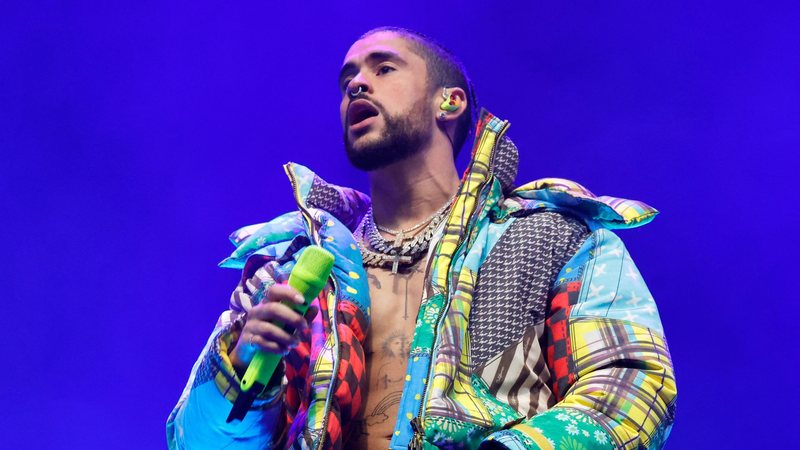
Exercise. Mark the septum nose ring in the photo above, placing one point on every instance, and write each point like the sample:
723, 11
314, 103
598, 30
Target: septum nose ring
354, 94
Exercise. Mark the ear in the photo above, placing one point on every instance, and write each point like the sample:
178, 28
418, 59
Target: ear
450, 105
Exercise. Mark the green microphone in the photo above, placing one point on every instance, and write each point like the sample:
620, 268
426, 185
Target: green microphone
309, 276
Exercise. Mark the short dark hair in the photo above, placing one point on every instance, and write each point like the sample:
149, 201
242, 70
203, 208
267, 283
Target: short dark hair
444, 70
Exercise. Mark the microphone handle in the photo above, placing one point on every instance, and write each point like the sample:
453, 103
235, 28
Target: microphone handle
264, 364
309, 276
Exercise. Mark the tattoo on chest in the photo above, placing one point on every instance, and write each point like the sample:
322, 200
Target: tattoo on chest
396, 346
374, 281
394, 353
379, 414
401, 283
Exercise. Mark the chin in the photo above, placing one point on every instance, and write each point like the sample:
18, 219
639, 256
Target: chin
366, 139
364, 142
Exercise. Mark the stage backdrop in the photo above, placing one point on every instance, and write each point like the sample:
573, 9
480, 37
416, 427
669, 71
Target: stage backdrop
135, 136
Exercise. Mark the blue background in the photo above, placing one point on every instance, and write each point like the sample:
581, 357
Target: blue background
136, 136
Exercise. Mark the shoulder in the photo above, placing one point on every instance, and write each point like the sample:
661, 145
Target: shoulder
540, 227
539, 241
562, 195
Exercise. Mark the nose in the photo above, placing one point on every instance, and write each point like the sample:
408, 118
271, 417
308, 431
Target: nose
357, 86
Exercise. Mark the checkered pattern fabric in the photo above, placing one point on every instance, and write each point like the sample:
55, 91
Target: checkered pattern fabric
351, 385
559, 346
296, 364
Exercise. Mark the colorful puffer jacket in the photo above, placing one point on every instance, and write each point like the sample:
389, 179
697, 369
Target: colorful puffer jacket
587, 367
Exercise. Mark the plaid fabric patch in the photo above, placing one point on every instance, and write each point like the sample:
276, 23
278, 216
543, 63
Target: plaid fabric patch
559, 347
466, 202
624, 373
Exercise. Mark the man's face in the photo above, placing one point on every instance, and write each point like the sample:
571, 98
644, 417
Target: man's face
393, 116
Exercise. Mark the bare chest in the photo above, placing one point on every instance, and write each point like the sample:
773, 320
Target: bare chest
394, 306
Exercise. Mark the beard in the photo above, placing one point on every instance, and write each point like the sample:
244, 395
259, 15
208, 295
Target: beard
404, 136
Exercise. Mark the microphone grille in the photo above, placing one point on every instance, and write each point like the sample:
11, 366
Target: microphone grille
317, 260
312, 270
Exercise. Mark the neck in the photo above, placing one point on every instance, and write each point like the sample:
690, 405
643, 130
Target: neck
409, 191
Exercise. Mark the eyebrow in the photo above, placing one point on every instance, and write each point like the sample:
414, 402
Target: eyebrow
371, 59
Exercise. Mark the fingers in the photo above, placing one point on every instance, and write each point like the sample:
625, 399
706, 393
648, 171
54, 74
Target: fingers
270, 325
284, 292
260, 335
273, 340
277, 313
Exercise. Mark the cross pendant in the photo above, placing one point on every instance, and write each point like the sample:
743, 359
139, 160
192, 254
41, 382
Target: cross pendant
398, 241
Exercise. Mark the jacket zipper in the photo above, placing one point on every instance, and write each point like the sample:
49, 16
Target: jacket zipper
418, 437
334, 328
336, 360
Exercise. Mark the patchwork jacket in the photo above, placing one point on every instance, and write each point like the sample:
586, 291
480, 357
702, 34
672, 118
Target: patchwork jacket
536, 330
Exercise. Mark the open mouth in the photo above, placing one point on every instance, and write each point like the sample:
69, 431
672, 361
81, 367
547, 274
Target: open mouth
359, 111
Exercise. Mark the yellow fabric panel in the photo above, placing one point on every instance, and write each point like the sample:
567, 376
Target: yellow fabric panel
623, 371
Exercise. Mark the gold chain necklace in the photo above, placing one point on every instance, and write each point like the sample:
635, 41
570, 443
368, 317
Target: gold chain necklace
379, 252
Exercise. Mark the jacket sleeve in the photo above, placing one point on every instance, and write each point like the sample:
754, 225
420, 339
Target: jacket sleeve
198, 420
610, 366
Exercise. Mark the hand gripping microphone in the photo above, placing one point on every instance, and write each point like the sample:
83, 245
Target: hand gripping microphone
309, 276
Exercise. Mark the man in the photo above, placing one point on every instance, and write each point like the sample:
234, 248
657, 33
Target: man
460, 314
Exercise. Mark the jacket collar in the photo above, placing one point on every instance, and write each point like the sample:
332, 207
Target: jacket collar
349, 205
